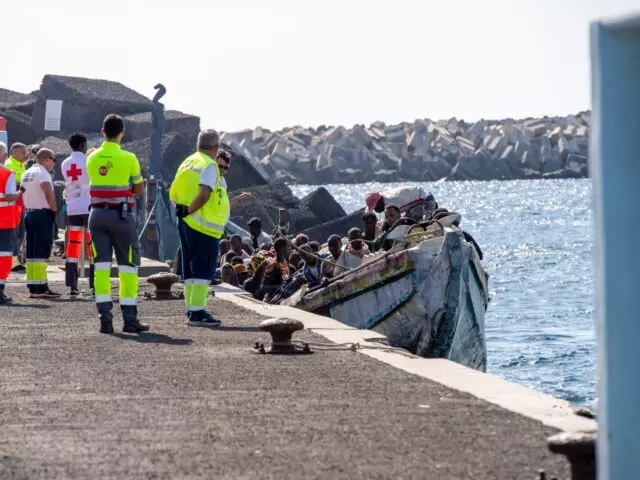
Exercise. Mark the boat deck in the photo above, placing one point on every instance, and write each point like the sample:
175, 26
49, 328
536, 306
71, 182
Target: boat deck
184, 402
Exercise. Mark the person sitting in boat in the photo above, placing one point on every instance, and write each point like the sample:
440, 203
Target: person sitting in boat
223, 249
235, 242
369, 224
257, 268
229, 275
334, 245
422, 210
356, 246
312, 268
258, 237
276, 272
353, 253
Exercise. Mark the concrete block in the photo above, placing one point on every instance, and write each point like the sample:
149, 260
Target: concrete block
15, 101
19, 127
435, 169
334, 134
140, 126
551, 163
467, 146
323, 205
529, 160
519, 148
495, 142
257, 135
582, 131
86, 102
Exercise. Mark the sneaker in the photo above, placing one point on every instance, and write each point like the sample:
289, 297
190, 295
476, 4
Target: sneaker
74, 292
203, 319
49, 294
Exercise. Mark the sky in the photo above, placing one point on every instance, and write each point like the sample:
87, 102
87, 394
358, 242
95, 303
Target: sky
245, 63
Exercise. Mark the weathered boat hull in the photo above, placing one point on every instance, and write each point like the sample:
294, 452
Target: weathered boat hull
429, 299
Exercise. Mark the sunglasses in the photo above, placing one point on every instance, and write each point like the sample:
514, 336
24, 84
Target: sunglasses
53, 159
223, 167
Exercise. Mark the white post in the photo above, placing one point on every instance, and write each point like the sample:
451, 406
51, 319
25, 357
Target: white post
615, 170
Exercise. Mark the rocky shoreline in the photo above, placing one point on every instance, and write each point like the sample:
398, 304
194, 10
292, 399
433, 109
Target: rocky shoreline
425, 150
264, 162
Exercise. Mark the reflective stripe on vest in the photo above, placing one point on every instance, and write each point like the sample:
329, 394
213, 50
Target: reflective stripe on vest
111, 172
211, 218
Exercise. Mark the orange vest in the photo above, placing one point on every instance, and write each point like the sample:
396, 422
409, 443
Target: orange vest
9, 212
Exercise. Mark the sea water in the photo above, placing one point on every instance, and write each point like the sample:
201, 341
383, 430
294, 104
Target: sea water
537, 239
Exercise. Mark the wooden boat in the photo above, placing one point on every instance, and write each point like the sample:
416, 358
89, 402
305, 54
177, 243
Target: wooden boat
427, 295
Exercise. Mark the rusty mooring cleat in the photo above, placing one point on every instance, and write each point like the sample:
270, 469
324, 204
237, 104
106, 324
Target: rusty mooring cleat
580, 450
163, 283
281, 330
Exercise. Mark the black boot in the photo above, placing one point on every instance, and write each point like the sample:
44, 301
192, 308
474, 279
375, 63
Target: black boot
4, 300
106, 317
131, 323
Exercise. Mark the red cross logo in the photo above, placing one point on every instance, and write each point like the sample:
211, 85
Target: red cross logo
74, 172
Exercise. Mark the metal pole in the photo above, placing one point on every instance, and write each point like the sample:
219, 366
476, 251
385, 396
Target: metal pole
615, 169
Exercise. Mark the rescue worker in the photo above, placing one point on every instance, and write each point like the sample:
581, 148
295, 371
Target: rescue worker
40, 206
16, 163
76, 189
8, 221
114, 179
203, 209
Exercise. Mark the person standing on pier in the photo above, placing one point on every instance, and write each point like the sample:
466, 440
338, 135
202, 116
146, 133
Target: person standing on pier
8, 221
114, 179
203, 208
76, 188
17, 164
40, 206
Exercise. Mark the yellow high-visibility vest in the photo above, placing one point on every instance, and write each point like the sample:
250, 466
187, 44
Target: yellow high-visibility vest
211, 218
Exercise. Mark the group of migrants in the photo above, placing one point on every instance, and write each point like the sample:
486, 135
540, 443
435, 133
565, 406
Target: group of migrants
272, 270
100, 186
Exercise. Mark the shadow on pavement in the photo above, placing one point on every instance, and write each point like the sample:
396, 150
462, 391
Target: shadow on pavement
238, 329
28, 305
147, 337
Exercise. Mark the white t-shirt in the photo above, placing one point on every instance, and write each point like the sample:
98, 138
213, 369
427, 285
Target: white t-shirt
33, 196
11, 188
76, 184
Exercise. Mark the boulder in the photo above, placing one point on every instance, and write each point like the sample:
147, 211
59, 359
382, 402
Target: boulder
174, 148
19, 102
86, 102
270, 198
339, 226
552, 163
435, 169
139, 126
323, 205
19, 127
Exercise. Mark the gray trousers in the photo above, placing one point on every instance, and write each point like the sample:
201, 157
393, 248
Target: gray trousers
110, 233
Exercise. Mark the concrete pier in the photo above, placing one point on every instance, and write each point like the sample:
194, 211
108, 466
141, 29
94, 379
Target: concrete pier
185, 402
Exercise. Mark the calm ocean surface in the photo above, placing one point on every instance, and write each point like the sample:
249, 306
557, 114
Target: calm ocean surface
536, 236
